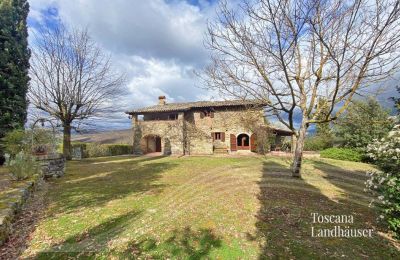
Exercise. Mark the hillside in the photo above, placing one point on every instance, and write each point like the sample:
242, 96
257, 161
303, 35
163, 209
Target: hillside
108, 137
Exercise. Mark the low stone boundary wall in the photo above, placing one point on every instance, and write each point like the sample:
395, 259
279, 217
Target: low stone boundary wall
12, 201
13, 198
52, 165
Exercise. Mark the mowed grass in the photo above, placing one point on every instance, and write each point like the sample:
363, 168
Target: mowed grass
204, 207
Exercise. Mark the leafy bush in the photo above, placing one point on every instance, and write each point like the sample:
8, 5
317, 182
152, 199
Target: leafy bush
38, 140
42, 140
15, 142
363, 122
317, 143
99, 150
20, 144
118, 149
385, 183
286, 145
345, 154
23, 166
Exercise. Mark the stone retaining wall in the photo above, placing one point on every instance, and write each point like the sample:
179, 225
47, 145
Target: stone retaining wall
11, 203
13, 198
52, 165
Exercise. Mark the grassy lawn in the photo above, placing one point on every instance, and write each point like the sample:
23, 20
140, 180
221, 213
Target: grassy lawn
211, 207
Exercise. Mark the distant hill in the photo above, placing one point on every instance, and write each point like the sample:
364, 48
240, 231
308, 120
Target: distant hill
108, 137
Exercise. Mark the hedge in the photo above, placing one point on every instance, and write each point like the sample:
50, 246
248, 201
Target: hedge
100, 150
345, 154
317, 143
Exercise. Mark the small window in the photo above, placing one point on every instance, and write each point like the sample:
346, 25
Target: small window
218, 136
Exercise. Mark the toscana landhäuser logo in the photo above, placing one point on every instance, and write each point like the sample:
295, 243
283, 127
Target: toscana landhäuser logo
337, 226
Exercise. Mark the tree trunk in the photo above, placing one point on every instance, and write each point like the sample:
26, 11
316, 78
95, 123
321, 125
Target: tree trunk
298, 153
67, 142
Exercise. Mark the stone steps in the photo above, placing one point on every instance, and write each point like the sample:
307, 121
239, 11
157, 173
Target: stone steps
220, 151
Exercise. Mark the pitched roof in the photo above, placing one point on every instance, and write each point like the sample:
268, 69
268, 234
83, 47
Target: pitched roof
175, 107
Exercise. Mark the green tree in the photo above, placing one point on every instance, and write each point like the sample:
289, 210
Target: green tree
14, 64
397, 101
363, 122
323, 137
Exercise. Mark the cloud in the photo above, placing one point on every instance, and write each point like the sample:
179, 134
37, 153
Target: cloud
157, 43
150, 29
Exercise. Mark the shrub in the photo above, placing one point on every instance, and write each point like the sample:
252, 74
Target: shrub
42, 140
23, 166
317, 143
15, 142
38, 140
118, 149
345, 154
363, 122
99, 150
286, 145
385, 183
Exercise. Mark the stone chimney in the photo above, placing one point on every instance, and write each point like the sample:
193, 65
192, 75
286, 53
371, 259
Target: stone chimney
161, 100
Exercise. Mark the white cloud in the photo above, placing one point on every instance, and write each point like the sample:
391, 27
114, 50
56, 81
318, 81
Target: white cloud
146, 28
157, 43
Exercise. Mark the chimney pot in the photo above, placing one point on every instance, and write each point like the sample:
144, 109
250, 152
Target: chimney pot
161, 100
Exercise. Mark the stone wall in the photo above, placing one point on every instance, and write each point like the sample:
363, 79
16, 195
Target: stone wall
52, 166
170, 131
191, 132
12, 202
228, 121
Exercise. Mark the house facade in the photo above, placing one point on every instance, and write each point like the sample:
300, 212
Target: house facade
204, 127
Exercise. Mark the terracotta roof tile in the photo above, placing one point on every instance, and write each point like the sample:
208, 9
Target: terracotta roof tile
175, 107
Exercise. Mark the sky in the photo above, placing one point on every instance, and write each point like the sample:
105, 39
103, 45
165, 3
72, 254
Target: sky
157, 44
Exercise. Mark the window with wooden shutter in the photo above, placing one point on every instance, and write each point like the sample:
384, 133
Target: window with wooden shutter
218, 136
233, 142
202, 115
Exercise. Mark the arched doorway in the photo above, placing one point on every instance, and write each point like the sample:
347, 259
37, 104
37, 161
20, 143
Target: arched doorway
152, 144
243, 142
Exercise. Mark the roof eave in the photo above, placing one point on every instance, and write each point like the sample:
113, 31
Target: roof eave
138, 112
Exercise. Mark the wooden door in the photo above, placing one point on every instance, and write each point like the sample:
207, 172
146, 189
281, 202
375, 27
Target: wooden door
158, 144
253, 143
233, 142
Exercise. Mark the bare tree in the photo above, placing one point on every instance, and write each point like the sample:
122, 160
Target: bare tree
72, 78
293, 53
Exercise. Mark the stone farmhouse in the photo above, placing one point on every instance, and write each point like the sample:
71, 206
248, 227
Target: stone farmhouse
203, 127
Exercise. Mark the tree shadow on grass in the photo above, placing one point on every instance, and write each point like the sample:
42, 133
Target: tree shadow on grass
284, 221
92, 185
351, 181
122, 158
89, 243
94, 243
181, 244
